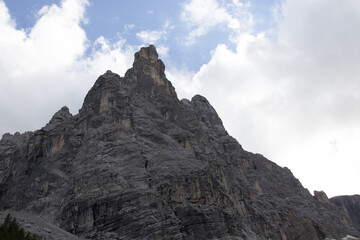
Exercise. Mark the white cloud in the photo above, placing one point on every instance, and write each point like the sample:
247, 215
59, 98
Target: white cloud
117, 57
149, 36
183, 81
290, 98
56, 33
129, 27
163, 51
45, 68
201, 16
153, 36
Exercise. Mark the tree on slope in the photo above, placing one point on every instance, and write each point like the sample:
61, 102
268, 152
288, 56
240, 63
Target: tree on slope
10, 230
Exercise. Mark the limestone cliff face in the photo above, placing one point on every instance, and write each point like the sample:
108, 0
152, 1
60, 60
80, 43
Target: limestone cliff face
138, 163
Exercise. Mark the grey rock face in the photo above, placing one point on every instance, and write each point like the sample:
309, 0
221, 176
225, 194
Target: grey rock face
350, 205
138, 163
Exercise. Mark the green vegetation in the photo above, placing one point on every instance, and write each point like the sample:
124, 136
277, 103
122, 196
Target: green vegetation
10, 230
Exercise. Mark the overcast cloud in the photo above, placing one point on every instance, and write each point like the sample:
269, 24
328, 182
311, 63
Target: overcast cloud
202, 15
290, 93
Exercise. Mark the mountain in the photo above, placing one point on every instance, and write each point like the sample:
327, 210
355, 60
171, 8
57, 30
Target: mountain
138, 163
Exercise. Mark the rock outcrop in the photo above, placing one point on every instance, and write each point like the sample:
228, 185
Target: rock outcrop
351, 206
138, 163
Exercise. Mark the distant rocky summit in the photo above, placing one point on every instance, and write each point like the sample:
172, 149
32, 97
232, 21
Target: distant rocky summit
138, 163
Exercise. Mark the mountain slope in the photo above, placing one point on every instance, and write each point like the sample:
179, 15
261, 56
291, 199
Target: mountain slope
138, 163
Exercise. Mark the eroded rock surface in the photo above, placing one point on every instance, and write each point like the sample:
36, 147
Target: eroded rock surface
138, 163
350, 205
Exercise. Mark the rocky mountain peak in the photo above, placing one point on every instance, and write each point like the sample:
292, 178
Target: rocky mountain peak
148, 69
145, 83
147, 54
321, 196
61, 115
137, 163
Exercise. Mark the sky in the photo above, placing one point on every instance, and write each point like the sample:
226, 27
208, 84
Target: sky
283, 75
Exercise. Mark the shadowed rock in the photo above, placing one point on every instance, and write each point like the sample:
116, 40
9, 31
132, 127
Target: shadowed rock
350, 205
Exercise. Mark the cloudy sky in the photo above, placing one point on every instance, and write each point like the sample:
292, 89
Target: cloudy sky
284, 75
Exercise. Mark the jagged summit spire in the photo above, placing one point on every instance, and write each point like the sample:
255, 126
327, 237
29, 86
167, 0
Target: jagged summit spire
147, 53
148, 74
147, 66
145, 80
